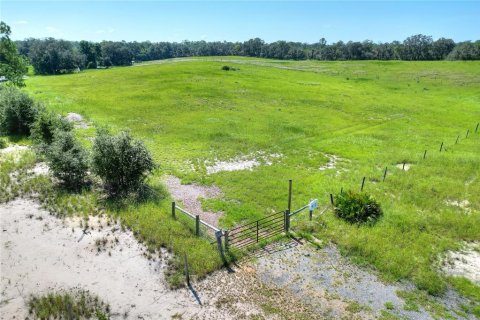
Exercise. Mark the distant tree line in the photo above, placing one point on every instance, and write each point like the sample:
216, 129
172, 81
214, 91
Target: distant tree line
51, 56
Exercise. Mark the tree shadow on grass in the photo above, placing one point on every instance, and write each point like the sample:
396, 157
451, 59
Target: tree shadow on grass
153, 194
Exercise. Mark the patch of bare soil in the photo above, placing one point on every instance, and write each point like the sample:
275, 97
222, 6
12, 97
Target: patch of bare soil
404, 166
247, 162
191, 194
330, 284
40, 252
464, 263
462, 204
77, 120
332, 162
16, 150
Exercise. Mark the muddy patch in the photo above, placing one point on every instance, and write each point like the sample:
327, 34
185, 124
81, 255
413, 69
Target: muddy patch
464, 263
77, 120
247, 162
191, 195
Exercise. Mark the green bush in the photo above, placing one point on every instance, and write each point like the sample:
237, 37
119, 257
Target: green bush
3, 143
45, 126
121, 162
68, 160
357, 208
17, 111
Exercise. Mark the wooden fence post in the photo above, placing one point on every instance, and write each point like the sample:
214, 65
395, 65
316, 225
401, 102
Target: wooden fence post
331, 199
187, 274
403, 167
173, 210
197, 225
363, 184
310, 213
385, 173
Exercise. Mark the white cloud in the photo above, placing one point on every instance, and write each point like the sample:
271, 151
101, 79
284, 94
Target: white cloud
20, 22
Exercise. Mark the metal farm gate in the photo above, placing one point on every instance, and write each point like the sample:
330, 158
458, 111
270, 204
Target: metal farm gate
252, 233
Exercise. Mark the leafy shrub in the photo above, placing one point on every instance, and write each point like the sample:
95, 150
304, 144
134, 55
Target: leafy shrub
226, 68
121, 162
3, 144
67, 159
357, 208
17, 111
45, 126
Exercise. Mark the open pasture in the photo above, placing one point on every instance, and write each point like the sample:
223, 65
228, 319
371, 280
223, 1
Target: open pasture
326, 125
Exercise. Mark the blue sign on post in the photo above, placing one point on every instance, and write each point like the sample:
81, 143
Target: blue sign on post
313, 204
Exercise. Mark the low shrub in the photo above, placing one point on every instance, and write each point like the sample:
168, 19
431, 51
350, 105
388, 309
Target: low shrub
17, 111
68, 160
357, 208
46, 124
228, 68
3, 143
121, 162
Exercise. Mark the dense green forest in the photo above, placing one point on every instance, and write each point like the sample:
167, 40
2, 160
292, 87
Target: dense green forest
51, 56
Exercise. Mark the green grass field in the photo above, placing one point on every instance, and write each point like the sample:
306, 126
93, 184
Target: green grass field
371, 114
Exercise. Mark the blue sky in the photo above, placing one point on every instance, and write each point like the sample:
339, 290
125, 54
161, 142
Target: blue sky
241, 20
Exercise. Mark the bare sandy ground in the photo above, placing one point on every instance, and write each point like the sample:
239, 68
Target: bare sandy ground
40, 252
191, 195
465, 263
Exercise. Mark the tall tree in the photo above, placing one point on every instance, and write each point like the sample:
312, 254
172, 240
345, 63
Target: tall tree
12, 66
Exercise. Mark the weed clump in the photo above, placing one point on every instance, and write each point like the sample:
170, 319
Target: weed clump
121, 162
3, 144
358, 208
77, 304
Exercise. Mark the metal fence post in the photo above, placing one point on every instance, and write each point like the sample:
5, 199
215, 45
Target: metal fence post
287, 220
289, 194
385, 173
225, 234
197, 225
311, 214
441, 147
363, 184
173, 210
331, 199
187, 274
